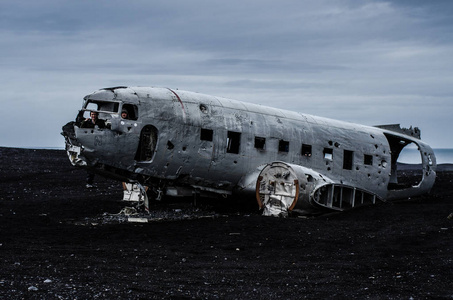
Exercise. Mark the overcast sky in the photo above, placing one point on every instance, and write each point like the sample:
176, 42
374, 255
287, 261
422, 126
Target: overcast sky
369, 62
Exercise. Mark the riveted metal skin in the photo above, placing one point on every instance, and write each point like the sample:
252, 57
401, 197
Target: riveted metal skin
181, 142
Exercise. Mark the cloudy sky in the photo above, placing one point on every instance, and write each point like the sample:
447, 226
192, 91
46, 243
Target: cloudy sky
370, 62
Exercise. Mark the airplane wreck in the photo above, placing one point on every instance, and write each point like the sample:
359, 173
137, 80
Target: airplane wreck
180, 143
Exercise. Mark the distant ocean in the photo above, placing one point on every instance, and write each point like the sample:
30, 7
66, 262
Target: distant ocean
412, 156
409, 155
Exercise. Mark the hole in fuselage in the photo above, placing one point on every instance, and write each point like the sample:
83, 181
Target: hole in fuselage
407, 168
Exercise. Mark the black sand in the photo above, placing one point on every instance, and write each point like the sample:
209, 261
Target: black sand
56, 244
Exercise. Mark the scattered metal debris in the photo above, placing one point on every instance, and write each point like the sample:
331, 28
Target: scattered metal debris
132, 215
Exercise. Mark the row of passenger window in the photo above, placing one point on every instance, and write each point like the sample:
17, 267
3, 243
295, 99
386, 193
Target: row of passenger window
234, 140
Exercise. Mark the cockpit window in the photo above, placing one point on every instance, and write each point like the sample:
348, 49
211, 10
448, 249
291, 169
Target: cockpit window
130, 110
102, 106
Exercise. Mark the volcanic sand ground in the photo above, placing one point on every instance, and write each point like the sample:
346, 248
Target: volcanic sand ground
59, 240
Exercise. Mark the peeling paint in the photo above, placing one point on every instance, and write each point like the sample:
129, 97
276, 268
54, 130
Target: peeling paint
181, 141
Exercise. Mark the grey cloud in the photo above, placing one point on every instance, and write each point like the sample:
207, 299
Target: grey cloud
267, 65
340, 58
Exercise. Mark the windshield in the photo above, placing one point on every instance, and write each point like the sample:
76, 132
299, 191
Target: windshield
102, 106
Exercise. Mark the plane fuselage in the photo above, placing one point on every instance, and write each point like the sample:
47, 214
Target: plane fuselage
188, 141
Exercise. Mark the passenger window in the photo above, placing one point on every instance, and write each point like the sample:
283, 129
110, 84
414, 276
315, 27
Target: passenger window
348, 159
206, 134
283, 146
233, 142
328, 153
260, 143
306, 150
368, 159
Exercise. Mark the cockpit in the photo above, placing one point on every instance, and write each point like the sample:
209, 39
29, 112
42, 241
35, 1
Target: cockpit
108, 111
